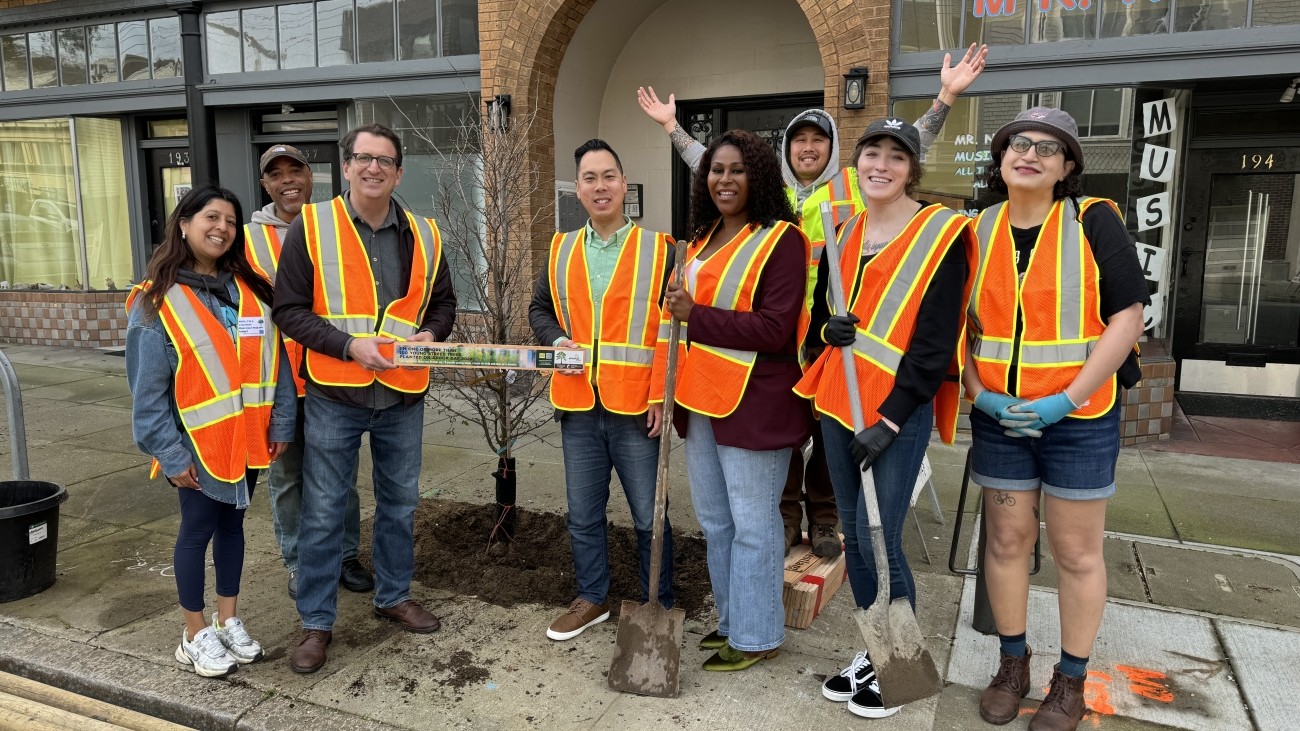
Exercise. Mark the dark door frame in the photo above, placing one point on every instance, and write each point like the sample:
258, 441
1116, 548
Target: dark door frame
1202, 165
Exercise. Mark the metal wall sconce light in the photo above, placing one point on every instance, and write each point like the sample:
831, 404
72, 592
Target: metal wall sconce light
855, 88
1289, 94
498, 113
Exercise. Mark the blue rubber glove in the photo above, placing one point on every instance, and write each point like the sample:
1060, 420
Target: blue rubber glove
1044, 411
996, 404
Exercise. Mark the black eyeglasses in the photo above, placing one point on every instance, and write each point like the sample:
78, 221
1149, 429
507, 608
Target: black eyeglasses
1044, 148
364, 160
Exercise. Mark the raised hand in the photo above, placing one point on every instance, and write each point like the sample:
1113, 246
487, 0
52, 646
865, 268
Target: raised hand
664, 114
956, 79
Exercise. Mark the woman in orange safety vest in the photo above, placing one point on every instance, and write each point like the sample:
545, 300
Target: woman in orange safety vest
904, 266
212, 402
740, 307
1054, 318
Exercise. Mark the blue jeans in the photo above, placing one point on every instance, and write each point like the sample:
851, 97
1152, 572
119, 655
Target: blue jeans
737, 496
329, 466
894, 473
595, 442
284, 488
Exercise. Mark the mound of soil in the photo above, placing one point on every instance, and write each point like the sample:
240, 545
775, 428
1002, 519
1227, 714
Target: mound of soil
451, 552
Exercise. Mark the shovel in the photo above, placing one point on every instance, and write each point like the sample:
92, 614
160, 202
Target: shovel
903, 666
649, 645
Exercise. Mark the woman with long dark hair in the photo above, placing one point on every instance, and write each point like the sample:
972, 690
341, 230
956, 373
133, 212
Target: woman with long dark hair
1055, 315
740, 307
212, 403
904, 265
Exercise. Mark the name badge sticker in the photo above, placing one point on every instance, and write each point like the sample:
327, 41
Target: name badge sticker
252, 327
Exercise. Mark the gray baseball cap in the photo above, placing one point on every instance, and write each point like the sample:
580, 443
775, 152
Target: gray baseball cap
1054, 122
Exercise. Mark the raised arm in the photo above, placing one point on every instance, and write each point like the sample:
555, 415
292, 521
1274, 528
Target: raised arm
954, 79
688, 148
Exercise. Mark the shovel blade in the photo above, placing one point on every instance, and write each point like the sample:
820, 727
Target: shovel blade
649, 652
897, 648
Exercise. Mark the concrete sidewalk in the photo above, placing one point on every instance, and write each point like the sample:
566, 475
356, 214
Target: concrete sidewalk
1202, 630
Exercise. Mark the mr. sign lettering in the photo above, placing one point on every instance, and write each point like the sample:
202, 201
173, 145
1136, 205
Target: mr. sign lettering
1008, 7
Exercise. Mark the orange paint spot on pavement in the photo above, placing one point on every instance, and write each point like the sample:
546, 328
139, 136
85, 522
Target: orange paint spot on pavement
1147, 683
1096, 696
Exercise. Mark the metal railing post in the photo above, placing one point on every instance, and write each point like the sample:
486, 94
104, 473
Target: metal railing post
17, 425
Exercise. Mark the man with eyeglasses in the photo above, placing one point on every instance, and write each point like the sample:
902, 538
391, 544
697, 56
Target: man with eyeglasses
357, 274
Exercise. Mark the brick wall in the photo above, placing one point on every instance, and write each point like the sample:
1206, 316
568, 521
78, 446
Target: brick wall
87, 319
1149, 408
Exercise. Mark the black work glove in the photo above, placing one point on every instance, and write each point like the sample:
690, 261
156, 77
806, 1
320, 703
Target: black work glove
870, 443
840, 330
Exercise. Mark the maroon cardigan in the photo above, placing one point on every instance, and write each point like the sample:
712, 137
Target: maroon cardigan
770, 415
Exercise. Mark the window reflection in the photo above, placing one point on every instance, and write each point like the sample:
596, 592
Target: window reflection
72, 56
334, 32
103, 53
459, 27
930, 24
1275, 12
13, 49
40, 49
259, 44
417, 24
133, 49
1197, 15
1121, 19
39, 232
101, 172
375, 30
995, 22
222, 33
1059, 23
165, 40
297, 36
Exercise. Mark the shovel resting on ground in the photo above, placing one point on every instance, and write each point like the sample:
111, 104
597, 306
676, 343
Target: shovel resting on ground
649, 645
903, 666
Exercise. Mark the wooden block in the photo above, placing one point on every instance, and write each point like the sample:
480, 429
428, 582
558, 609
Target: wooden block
809, 584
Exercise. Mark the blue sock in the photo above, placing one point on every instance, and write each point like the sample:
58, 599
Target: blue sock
1013, 645
1075, 667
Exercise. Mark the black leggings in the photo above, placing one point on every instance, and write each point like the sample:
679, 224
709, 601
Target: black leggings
205, 520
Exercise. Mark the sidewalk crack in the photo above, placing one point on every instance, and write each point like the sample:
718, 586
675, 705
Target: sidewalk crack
1142, 572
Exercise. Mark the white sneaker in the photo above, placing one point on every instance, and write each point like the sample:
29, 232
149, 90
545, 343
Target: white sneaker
206, 653
843, 686
866, 702
234, 637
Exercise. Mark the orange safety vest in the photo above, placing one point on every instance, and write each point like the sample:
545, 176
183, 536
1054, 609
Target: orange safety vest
262, 245
1059, 302
894, 282
710, 379
626, 317
345, 294
224, 389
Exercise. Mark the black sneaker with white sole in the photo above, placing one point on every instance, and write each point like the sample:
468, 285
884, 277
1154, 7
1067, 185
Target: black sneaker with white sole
842, 687
866, 702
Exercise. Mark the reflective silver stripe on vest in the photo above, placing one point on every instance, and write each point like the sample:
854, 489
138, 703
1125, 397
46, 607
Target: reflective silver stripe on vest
226, 403
327, 243
263, 392
563, 258
1069, 264
886, 357
1057, 353
644, 289
425, 241
985, 349
633, 354
260, 244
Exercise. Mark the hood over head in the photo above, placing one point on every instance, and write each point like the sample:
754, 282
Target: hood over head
823, 120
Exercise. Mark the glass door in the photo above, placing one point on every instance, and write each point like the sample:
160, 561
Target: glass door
168, 175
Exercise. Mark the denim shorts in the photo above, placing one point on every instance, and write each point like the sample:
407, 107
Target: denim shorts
1073, 460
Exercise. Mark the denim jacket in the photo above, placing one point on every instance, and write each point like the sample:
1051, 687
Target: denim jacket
151, 362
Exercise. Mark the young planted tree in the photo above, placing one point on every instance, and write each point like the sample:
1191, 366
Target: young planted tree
487, 202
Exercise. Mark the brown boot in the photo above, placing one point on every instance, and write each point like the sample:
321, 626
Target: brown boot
793, 537
1000, 702
826, 540
1063, 707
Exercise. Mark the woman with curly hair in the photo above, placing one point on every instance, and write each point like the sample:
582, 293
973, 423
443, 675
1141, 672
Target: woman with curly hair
740, 306
1055, 316
212, 401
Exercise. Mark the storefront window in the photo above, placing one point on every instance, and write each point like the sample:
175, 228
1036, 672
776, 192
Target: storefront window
133, 49
417, 23
1120, 18
39, 231
165, 47
101, 171
1205, 15
45, 68
297, 36
13, 53
375, 30
995, 22
259, 46
103, 53
72, 56
930, 24
459, 27
441, 176
1059, 22
222, 33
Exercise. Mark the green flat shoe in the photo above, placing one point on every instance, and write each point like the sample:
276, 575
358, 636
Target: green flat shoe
713, 641
729, 659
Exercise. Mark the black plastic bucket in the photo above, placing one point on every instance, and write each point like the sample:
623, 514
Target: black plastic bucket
29, 536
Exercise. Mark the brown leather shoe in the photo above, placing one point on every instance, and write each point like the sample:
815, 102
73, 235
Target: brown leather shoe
1000, 702
1063, 707
309, 655
826, 540
412, 616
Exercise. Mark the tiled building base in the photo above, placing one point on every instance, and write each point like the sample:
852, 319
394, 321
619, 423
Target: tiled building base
86, 319
1148, 409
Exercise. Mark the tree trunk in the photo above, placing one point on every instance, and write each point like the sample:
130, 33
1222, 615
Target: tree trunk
504, 515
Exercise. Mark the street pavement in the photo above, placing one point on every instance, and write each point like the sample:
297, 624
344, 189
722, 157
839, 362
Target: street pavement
1202, 630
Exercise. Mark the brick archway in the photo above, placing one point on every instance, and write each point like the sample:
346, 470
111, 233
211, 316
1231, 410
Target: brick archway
522, 45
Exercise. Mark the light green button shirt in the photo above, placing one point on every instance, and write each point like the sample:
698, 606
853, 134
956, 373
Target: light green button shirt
602, 256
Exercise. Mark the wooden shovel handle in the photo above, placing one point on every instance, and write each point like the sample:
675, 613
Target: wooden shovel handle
665, 439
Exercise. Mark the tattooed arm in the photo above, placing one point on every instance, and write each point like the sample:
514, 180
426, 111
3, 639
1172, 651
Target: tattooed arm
954, 80
688, 148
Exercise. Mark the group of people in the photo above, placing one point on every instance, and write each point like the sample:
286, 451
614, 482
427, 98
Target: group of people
1033, 309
